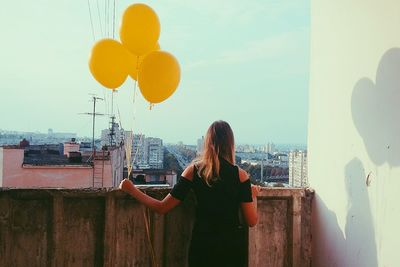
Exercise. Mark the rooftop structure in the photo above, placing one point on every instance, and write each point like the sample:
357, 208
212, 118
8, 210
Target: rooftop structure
59, 166
154, 176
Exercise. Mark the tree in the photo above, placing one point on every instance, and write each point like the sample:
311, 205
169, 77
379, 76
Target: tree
171, 163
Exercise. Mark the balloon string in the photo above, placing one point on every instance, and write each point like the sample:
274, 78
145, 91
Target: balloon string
114, 21
137, 68
133, 125
147, 222
134, 97
133, 105
129, 139
133, 159
91, 21
98, 14
105, 18
112, 102
135, 87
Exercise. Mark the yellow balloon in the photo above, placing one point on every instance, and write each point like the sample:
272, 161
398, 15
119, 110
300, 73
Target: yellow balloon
135, 62
109, 63
140, 29
159, 76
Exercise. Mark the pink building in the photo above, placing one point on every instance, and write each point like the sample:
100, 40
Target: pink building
46, 167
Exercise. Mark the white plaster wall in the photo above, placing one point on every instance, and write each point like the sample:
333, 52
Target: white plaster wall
354, 131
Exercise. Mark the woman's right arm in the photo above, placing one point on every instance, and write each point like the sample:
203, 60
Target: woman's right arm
160, 206
249, 209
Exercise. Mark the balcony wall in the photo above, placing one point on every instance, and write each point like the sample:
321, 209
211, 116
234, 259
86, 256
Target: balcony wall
88, 227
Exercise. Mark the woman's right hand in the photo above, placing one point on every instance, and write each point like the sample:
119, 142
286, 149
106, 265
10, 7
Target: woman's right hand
126, 185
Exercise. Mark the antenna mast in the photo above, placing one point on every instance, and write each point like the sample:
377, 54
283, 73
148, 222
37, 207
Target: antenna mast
112, 133
94, 114
95, 98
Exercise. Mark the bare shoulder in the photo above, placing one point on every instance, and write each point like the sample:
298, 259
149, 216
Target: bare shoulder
243, 175
188, 172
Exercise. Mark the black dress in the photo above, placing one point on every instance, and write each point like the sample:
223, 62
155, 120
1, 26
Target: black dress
218, 237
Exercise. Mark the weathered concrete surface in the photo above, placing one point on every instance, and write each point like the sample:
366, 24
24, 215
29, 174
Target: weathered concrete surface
103, 227
282, 236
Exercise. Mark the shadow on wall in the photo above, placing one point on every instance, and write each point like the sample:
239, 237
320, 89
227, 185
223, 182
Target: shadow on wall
360, 249
375, 108
356, 247
329, 246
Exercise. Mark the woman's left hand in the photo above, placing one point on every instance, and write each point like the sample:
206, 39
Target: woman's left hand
255, 189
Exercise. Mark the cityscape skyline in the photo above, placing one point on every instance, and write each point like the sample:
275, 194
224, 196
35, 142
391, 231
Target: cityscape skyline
68, 135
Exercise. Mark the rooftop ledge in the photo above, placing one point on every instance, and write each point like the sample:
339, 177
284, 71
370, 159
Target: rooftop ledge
106, 227
64, 166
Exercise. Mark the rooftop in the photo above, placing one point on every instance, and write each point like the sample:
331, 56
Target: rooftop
47, 156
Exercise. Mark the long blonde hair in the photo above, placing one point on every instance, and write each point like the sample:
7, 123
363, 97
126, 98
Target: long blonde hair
218, 142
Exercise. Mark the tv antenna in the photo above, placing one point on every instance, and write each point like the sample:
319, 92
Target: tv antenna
94, 114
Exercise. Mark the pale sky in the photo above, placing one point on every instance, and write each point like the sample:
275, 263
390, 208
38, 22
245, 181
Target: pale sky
245, 62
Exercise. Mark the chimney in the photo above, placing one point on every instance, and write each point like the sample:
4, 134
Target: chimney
24, 143
71, 146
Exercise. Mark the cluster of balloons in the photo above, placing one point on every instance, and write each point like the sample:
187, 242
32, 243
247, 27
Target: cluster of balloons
138, 55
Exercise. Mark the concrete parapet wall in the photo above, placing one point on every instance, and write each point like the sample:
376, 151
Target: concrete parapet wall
104, 227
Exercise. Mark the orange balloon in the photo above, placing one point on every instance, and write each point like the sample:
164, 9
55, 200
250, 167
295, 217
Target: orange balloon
109, 63
140, 29
159, 76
